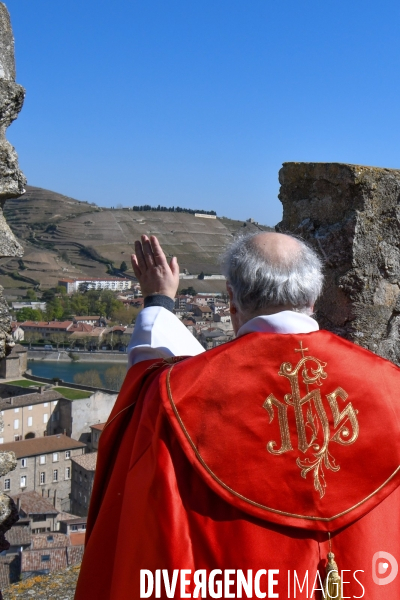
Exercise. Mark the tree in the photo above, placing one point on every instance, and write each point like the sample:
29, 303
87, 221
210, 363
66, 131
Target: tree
86, 340
83, 287
125, 339
54, 309
90, 378
190, 291
48, 295
110, 302
58, 338
61, 289
114, 377
93, 298
111, 339
125, 316
32, 337
31, 295
123, 267
29, 314
79, 304
201, 276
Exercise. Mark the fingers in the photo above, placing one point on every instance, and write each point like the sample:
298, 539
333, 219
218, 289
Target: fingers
140, 259
173, 265
149, 254
147, 251
158, 253
135, 266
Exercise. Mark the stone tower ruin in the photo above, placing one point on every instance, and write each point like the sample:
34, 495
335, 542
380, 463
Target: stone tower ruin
12, 183
351, 215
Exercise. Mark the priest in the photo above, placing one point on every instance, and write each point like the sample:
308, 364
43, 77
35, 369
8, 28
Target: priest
268, 467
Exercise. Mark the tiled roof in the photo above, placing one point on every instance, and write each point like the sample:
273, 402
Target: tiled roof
41, 445
86, 461
94, 332
47, 324
33, 503
80, 327
64, 516
49, 540
90, 318
19, 535
74, 521
99, 426
77, 538
29, 399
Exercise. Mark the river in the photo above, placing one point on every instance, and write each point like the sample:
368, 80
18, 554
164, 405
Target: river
67, 370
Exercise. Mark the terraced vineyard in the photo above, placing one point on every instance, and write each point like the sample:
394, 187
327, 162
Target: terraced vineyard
64, 237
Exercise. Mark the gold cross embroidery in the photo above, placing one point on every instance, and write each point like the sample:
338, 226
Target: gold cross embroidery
312, 423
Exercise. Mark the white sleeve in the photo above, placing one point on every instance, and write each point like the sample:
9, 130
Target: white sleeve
159, 333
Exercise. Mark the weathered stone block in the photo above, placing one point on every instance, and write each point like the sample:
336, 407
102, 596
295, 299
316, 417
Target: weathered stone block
7, 60
351, 215
12, 183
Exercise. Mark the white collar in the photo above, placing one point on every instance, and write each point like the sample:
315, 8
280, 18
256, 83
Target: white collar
286, 321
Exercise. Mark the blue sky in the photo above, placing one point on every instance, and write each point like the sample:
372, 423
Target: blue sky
198, 103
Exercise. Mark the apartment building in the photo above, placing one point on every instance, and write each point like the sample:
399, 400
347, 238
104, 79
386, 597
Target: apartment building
36, 511
116, 284
34, 305
95, 435
202, 311
43, 466
83, 470
30, 415
46, 328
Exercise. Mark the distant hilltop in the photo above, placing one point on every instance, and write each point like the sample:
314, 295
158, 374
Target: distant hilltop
67, 238
178, 209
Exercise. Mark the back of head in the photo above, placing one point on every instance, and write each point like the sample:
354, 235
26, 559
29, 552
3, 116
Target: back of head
272, 270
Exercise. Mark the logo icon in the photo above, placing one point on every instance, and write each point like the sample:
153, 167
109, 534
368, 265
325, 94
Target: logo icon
313, 429
384, 568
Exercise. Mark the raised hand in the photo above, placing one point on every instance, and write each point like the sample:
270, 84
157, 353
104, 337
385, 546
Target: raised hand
152, 270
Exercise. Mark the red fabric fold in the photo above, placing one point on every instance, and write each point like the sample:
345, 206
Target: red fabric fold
156, 505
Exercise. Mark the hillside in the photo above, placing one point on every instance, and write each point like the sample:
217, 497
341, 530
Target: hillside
64, 237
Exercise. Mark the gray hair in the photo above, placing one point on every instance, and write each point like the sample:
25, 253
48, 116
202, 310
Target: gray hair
257, 282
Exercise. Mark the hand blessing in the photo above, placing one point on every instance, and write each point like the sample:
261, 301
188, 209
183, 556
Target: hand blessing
152, 270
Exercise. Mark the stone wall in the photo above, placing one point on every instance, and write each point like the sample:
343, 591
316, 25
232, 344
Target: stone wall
12, 183
76, 416
350, 214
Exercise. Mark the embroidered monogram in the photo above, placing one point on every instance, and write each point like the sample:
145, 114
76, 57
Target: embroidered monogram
313, 431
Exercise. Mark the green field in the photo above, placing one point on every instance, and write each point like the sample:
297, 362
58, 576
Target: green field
26, 383
69, 393
72, 394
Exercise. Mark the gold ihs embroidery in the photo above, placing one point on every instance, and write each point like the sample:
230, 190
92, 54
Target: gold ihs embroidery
312, 423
